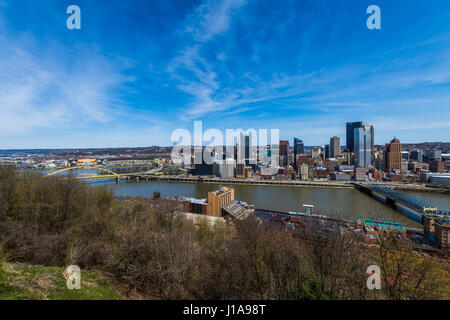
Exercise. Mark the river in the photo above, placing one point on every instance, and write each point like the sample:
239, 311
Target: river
347, 203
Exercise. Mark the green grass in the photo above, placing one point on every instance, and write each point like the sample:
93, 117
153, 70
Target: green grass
30, 282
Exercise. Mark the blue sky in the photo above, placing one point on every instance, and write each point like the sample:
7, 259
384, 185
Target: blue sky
137, 70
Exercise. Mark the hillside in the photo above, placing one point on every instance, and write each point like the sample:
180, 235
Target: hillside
32, 282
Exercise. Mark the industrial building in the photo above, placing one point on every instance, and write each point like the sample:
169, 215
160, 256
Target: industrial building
442, 232
217, 199
192, 205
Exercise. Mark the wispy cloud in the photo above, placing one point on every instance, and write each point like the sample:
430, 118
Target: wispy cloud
215, 84
57, 89
195, 75
304, 67
212, 18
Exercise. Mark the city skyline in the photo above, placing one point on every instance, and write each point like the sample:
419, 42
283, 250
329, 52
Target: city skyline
131, 76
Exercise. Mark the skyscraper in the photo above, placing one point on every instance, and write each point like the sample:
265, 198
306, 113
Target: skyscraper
362, 138
372, 137
284, 151
327, 151
299, 148
350, 138
393, 155
335, 147
245, 150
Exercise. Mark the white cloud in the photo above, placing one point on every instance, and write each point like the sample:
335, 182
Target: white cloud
214, 87
212, 18
39, 90
195, 75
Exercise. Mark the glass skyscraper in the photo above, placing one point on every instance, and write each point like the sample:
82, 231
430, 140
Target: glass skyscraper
299, 148
350, 134
362, 138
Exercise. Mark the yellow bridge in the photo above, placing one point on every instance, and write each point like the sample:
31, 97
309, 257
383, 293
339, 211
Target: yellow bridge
110, 175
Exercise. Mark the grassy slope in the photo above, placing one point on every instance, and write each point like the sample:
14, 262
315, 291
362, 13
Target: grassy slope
30, 282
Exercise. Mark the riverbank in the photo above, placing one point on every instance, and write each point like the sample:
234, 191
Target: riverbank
424, 189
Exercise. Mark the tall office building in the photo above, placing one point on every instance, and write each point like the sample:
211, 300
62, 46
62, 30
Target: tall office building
393, 155
245, 150
362, 138
350, 138
327, 152
274, 154
379, 161
416, 154
284, 151
202, 167
372, 137
299, 148
335, 147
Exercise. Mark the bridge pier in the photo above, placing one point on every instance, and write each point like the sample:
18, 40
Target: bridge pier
391, 203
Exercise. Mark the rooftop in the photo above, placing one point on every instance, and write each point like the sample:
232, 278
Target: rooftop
443, 222
221, 191
383, 224
235, 210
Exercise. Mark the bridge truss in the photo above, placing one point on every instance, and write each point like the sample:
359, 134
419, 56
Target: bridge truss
112, 174
407, 199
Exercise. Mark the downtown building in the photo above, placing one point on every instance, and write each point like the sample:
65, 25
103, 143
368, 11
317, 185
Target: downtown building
245, 150
284, 152
225, 168
350, 137
335, 147
299, 148
393, 155
363, 145
246, 154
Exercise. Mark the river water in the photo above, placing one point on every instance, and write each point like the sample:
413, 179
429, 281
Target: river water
348, 203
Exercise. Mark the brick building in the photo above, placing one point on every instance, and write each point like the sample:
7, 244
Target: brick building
393, 155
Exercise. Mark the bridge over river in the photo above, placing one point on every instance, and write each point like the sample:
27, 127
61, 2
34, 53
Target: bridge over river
411, 206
